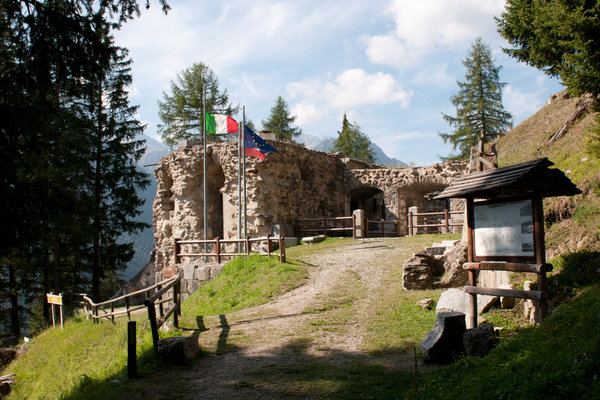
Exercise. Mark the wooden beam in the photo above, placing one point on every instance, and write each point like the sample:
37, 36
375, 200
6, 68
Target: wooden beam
507, 266
521, 294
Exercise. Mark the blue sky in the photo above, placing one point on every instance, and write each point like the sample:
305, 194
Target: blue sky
391, 65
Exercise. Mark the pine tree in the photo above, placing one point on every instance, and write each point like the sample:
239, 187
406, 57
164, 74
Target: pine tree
280, 122
181, 110
478, 103
114, 177
559, 37
352, 142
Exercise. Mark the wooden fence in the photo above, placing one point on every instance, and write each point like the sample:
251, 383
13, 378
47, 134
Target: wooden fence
326, 225
217, 251
380, 230
174, 310
431, 221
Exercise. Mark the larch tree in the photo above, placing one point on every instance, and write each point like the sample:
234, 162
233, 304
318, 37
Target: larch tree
478, 103
280, 122
352, 142
181, 110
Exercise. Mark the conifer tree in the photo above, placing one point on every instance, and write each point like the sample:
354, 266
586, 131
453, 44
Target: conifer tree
181, 110
478, 103
352, 142
280, 122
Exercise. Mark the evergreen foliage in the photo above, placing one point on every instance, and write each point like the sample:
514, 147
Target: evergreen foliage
181, 110
57, 63
352, 142
478, 103
280, 121
559, 37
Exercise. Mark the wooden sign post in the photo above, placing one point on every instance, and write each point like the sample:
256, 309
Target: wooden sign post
56, 300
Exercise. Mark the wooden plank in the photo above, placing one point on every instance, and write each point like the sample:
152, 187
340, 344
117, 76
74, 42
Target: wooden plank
521, 294
507, 266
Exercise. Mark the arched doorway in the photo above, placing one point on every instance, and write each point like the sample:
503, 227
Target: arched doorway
370, 199
215, 180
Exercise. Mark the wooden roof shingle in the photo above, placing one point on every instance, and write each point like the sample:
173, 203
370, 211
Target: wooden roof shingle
515, 180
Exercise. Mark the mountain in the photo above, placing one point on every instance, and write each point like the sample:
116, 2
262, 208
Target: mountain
324, 144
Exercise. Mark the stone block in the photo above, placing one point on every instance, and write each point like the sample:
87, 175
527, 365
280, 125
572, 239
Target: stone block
435, 250
202, 273
215, 270
188, 271
445, 341
178, 350
313, 239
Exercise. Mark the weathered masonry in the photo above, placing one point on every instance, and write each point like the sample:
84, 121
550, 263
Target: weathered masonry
292, 183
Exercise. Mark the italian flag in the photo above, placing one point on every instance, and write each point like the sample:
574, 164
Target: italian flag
219, 123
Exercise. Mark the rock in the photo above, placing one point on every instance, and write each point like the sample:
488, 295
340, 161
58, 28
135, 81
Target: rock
7, 355
420, 270
313, 239
455, 300
507, 302
454, 274
445, 340
178, 350
478, 342
435, 250
426, 304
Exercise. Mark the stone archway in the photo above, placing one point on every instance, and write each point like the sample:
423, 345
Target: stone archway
215, 180
368, 198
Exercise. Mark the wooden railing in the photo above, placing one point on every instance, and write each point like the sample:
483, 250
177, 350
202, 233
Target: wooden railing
381, 231
217, 251
175, 309
97, 311
326, 225
413, 228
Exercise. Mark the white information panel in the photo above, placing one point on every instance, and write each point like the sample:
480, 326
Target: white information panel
503, 229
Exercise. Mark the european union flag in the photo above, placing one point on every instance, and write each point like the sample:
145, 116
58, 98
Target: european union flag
255, 145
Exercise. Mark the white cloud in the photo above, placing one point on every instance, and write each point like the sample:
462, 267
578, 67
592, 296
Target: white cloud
425, 26
352, 88
522, 104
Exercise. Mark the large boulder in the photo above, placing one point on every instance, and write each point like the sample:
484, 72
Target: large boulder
419, 271
453, 259
455, 300
178, 350
445, 341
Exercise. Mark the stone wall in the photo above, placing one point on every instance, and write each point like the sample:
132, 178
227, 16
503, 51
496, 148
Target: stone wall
292, 183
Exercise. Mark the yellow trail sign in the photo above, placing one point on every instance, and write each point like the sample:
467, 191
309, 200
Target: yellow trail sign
54, 299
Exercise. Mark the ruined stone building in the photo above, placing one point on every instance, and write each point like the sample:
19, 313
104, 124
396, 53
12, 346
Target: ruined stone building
292, 183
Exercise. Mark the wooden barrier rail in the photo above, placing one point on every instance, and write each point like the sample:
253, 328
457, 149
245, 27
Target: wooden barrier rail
98, 311
217, 243
382, 231
175, 309
413, 228
324, 226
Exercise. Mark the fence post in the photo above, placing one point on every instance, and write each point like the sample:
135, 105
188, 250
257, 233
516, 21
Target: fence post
127, 308
176, 304
281, 249
247, 246
447, 216
269, 248
112, 312
324, 226
160, 306
153, 327
353, 226
410, 223
218, 250
131, 351
382, 227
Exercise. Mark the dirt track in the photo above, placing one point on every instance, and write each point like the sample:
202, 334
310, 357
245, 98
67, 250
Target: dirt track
323, 320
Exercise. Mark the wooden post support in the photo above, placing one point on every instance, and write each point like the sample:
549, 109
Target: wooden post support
410, 223
176, 305
160, 306
127, 308
353, 226
247, 246
176, 250
269, 247
112, 312
447, 217
153, 327
540, 251
470, 256
382, 227
324, 226
218, 250
282, 249
131, 351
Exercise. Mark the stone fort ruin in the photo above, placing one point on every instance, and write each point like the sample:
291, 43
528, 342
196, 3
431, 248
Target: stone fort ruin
291, 184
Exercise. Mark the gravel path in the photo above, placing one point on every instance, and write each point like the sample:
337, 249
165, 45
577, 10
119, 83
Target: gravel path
325, 319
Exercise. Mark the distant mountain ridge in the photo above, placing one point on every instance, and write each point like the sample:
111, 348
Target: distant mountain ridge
324, 144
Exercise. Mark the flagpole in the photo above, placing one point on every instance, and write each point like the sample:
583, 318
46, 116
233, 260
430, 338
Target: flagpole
204, 167
244, 166
240, 133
